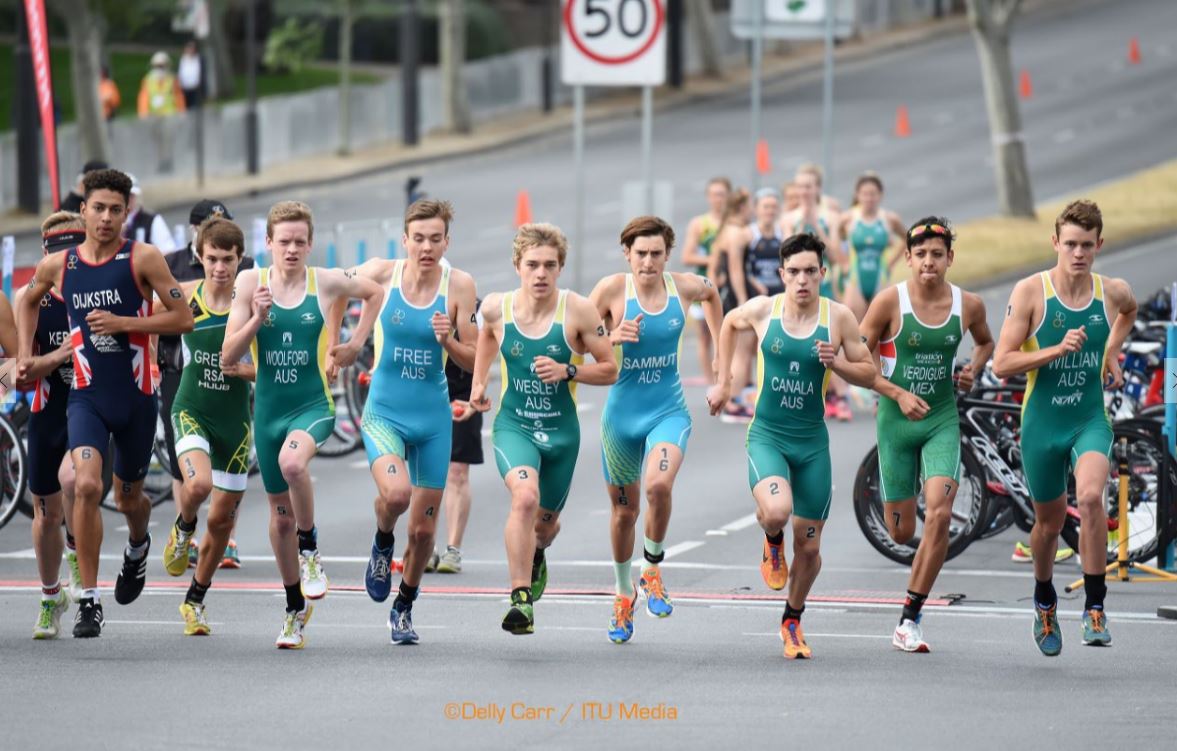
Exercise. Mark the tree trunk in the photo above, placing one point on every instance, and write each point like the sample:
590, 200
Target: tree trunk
219, 62
85, 30
345, 34
452, 49
701, 18
991, 27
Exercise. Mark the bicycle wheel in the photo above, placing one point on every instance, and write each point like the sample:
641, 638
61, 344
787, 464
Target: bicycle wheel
969, 508
157, 485
14, 469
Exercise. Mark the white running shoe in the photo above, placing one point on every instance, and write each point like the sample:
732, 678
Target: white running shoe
291, 635
909, 637
311, 574
75, 575
49, 620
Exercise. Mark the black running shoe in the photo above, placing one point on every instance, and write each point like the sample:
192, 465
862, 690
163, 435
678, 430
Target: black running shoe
88, 621
129, 585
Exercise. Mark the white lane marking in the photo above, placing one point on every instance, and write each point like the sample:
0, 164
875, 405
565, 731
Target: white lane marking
742, 523
716, 533
173, 624
125, 528
681, 548
823, 636
1067, 134
871, 141
951, 611
359, 464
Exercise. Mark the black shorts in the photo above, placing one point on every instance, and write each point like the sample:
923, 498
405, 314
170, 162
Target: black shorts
48, 445
129, 418
467, 442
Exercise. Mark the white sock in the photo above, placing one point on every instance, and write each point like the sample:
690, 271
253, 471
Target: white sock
136, 552
91, 593
622, 573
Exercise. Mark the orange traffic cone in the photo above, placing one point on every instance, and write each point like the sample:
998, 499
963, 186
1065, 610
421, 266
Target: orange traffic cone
1026, 87
763, 164
902, 122
522, 209
1134, 51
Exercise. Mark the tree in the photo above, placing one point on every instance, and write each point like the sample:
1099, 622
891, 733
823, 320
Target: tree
219, 82
451, 31
991, 21
346, 19
86, 30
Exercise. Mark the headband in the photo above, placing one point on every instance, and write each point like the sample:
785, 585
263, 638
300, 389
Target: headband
54, 241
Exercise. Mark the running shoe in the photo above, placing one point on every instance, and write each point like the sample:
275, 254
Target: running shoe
794, 639
539, 579
842, 410
400, 625
773, 566
737, 413
232, 558
1047, 635
49, 620
431, 564
658, 602
129, 585
621, 626
75, 575
193, 552
520, 619
1023, 554
175, 552
311, 575
1095, 629
378, 577
451, 561
88, 621
291, 635
194, 620
909, 637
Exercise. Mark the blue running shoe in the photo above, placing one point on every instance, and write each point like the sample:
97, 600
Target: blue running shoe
400, 624
1047, 635
658, 602
378, 577
621, 626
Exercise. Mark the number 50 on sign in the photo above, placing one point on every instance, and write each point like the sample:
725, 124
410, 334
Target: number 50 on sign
613, 42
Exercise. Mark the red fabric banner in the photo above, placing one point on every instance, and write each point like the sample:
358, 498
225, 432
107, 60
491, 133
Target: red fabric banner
39, 44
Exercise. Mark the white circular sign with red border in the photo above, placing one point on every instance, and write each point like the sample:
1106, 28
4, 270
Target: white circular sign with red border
613, 42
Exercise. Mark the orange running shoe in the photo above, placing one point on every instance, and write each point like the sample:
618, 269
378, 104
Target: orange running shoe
773, 566
794, 639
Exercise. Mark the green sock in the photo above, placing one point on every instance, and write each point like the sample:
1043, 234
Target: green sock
622, 574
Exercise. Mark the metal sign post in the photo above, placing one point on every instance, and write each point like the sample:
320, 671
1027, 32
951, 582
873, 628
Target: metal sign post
757, 60
827, 99
578, 252
648, 148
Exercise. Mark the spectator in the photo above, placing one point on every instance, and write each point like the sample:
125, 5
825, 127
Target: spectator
190, 72
144, 226
73, 201
160, 97
108, 93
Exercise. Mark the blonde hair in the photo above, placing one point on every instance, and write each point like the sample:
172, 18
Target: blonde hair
430, 209
62, 221
536, 235
809, 168
290, 211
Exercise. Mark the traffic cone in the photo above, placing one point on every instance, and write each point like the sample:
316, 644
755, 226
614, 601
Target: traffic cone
763, 164
902, 122
522, 209
1026, 87
1134, 51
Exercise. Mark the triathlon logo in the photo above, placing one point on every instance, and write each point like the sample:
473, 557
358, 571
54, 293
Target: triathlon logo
46, 301
398, 317
516, 349
777, 345
269, 319
71, 262
915, 339
1060, 320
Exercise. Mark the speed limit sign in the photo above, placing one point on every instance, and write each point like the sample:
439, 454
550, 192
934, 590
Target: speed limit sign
613, 42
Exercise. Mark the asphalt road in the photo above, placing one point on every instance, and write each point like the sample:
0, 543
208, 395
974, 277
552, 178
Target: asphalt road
713, 672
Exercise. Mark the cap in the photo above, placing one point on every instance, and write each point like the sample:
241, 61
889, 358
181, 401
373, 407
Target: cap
135, 189
205, 209
94, 164
160, 58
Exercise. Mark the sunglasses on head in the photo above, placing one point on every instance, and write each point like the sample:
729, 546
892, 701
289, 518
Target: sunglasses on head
928, 229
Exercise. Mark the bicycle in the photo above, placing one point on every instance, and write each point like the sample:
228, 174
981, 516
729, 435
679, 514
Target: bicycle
14, 470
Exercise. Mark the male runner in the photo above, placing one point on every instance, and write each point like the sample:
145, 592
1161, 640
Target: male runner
917, 327
50, 470
1059, 331
407, 424
211, 420
800, 335
869, 230
645, 412
541, 333
701, 233
107, 283
281, 312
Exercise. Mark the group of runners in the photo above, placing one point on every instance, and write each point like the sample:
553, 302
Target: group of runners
86, 323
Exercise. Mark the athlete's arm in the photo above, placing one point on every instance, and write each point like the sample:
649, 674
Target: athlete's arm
28, 309
251, 305
737, 279
1119, 294
488, 346
833, 239
463, 293
854, 362
8, 338
336, 284
590, 333
690, 249
875, 327
608, 292
40, 365
154, 275
743, 318
898, 239
1008, 358
701, 290
978, 328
